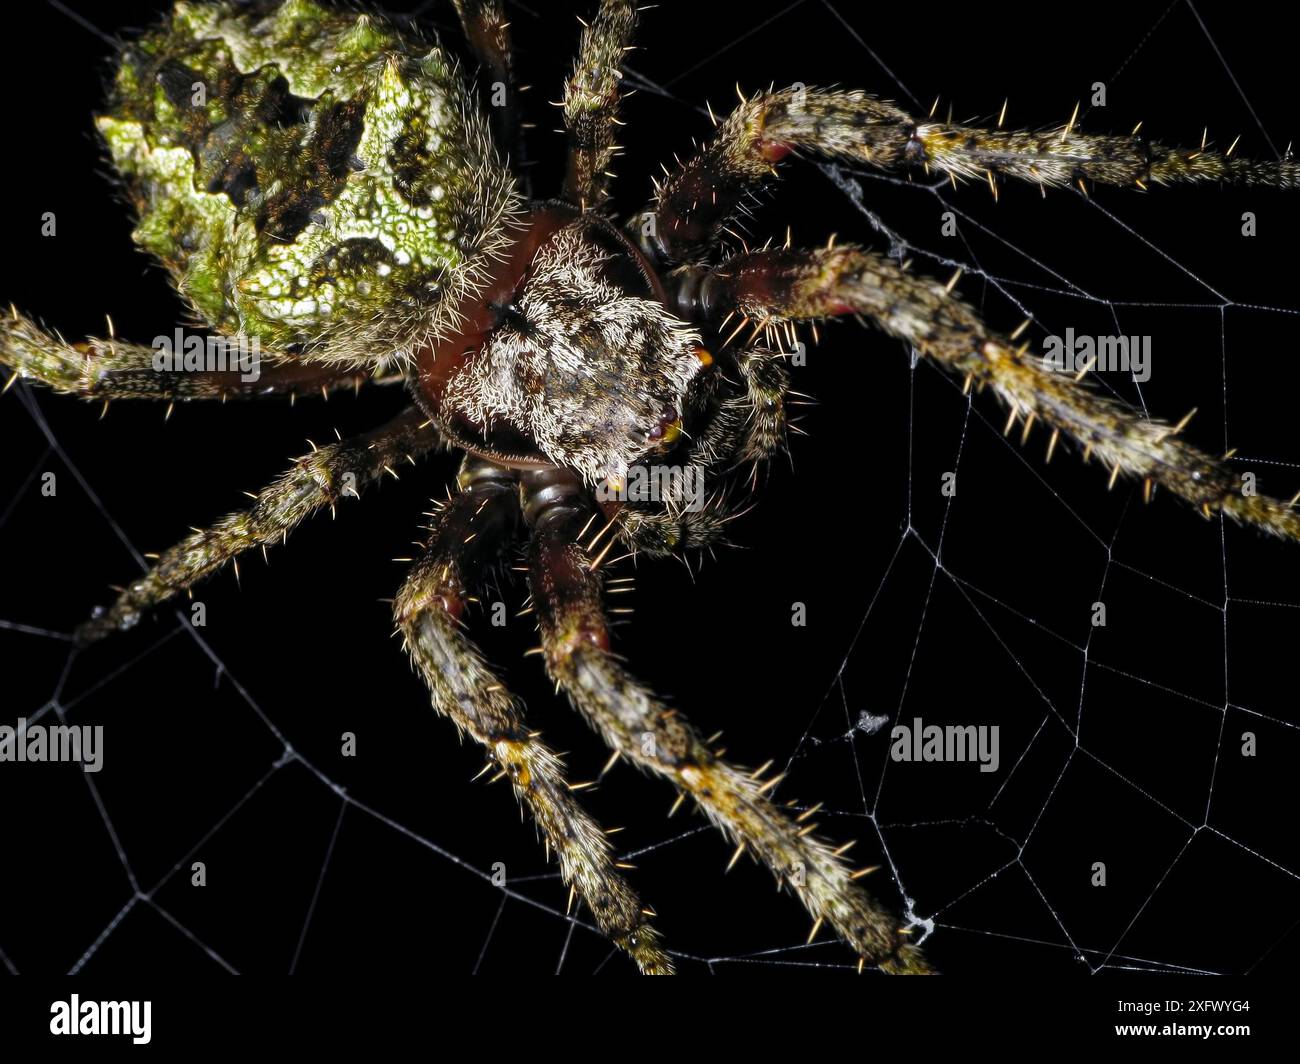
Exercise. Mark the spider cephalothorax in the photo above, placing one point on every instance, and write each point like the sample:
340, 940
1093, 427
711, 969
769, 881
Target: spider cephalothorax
326, 186
579, 364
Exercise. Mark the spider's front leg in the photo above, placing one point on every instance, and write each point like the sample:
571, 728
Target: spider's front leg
113, 369
696, 202
468, 528
316, 480
791, 284
567, 593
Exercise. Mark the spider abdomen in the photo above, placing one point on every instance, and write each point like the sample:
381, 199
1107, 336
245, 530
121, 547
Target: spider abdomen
313, 179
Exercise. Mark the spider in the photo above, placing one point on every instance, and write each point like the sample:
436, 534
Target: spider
330, 189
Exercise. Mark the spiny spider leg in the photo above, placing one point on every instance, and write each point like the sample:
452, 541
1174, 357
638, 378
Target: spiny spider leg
488, 32
663, 533
696, 202
763, 405
591, 96
113, 369
471, 525
749, 422
567, 594
317, 479
783, 285
748, 427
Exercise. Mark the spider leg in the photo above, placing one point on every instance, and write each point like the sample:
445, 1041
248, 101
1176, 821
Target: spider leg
315, 480
567, 593
113, 369
591, 96
744, 419
476, 520
696, 202
742, 428
763, 404
782, 285
488, 32
660, 532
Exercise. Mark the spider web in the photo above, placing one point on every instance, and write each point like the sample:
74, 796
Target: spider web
1119, 744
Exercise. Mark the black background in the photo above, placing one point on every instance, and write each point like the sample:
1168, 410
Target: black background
1026, 550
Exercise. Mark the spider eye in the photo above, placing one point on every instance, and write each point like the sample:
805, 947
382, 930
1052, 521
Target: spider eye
666, 430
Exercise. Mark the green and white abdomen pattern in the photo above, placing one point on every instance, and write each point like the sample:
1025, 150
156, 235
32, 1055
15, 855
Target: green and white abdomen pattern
314, 180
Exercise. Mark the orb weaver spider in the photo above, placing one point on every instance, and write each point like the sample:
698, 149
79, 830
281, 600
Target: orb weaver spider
327, 186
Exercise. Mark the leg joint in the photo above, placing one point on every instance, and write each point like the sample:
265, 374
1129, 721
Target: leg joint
552, 496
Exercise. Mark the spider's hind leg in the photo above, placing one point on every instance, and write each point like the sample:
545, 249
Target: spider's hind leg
487, 30
634, 723
428, 609
113, 369
591, 96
